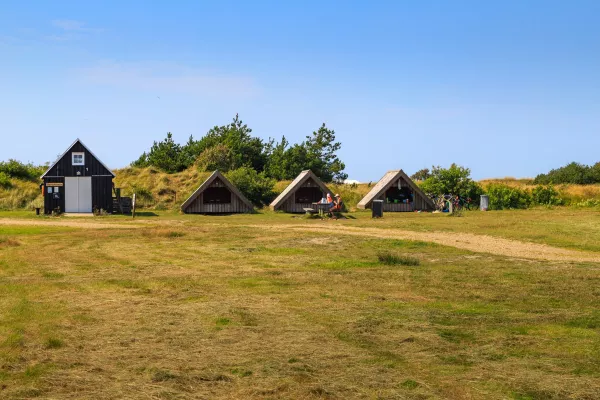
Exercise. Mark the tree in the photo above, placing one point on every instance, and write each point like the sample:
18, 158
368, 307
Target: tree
455, 180
247, 150
285, 162
571, 173
217, 157
322, 158
164, 155
317, 153
257, 187
421, 175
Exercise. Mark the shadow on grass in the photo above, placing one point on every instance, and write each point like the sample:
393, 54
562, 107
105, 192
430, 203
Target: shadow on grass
145, 214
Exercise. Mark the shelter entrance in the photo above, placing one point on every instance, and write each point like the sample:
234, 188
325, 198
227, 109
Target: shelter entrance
307, 195
216, 195
399, 195
78, 194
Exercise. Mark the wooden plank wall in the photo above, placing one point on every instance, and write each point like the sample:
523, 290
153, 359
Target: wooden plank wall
65, 167
49, 202
290, 204
102, 193
236, 205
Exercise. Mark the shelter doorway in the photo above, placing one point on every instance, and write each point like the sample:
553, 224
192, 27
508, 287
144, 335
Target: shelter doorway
216, 195
306, 195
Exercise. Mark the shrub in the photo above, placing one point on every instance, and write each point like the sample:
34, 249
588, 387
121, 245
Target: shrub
257, 187
388, 258
455, 180
18, 170
506, 197
216, 157
5, 180
571, 173
546, 195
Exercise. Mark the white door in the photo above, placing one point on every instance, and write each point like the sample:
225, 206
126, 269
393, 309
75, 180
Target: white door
78, 194
85, 194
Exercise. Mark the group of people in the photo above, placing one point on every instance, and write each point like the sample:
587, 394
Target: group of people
336, 204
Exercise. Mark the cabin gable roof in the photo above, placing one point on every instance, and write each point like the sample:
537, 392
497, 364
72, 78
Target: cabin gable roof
207, 183
385, 183
65, 154
295, 184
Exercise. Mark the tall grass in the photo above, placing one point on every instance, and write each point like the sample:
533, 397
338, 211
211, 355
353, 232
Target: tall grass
388, 258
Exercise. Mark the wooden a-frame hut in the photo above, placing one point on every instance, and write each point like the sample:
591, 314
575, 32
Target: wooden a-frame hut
399, 193
305, 190
217, 196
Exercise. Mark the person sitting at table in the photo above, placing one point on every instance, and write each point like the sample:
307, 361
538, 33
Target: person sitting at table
337, 205
329, 199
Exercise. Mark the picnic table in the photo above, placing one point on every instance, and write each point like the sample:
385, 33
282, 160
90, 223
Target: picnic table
322, 208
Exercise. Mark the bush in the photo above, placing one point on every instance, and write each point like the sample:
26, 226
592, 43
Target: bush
18, 170
574, 173
218, 157
455, 180
257, 187
546, 195
506, 197
5, 180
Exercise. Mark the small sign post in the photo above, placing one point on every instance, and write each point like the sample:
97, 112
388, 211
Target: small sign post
133, 205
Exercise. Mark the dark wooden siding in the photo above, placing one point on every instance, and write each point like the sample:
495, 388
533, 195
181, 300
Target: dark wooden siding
65, 167
102, 193
236, 205
290, 204
50, 203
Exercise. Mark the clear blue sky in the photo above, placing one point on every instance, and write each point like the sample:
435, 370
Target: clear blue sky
506, 88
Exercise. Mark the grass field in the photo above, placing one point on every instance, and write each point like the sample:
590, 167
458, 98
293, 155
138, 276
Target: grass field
269, 305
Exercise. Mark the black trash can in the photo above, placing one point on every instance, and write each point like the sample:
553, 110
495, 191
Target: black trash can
377, 209
37, 211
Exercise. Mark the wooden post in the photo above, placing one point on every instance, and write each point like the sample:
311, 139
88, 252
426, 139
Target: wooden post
133, 206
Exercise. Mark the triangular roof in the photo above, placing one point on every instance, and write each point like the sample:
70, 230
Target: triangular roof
70, 147
384, 184
207, 183
296, 183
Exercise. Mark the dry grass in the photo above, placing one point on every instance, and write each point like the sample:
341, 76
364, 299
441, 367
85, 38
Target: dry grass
209, 307
22, 194
572, 194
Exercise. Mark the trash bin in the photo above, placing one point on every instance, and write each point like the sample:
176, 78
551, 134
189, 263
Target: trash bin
484, 202
37, 211
377, 209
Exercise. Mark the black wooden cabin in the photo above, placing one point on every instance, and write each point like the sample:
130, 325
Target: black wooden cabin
78, 182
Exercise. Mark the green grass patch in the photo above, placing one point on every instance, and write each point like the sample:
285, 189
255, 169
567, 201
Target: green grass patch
388, 258
53, 343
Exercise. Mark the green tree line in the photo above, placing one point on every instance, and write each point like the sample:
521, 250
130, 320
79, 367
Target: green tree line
231, 147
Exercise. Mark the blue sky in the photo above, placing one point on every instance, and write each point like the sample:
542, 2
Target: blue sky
507, 88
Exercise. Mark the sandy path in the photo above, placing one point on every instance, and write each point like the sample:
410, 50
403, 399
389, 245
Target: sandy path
62, 222
467, 241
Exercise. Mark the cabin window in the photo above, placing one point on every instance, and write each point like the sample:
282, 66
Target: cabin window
308, 195
399, 195
216, 195
78, 158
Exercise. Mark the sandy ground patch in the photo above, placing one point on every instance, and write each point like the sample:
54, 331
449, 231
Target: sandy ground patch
71, 223
466, 241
